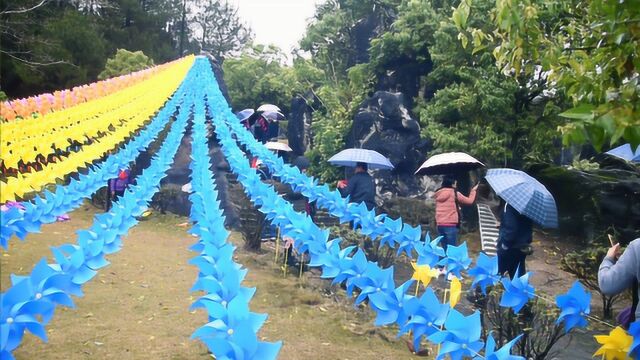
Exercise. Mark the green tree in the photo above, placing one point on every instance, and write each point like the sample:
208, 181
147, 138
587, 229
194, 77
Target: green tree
589, 50
125, 62
217, 28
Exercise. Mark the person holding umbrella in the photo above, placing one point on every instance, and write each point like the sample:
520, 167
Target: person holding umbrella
448, 201
527, 201
360, 187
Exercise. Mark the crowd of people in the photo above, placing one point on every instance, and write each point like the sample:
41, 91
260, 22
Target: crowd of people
617, 271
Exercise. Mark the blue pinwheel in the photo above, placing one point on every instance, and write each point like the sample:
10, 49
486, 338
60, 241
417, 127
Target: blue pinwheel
575, 305
485, 273
410, 237
73, 264
391, 229
390, 305
461, 337
457, 259
504, 353
232, 335
426, 313
364, 218
20, 311
49, 284
516, 292
352, 269
224, 288
634, 331
429, 253
374, 280
331, 259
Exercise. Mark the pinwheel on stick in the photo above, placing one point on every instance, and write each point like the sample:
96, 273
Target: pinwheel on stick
575, 305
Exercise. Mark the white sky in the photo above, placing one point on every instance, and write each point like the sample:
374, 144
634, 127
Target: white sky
279, 22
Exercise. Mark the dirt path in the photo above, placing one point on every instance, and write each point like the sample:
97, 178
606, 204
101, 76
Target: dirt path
138, 307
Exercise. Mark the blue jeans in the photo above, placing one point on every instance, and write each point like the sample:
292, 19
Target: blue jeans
449, 236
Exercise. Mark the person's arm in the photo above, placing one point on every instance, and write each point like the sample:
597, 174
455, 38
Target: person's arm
468, 200
614, 277
351, 185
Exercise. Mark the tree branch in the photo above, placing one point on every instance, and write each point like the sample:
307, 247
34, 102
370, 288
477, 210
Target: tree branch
22, 11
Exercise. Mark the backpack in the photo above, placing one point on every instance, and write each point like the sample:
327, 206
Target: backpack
628, 315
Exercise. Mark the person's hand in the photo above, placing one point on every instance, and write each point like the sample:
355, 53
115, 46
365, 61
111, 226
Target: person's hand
475, 188
613, 252
113, 193
288, 242
342, 184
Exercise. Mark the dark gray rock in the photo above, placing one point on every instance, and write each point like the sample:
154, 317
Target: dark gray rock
591, 202
383, 123
299, 126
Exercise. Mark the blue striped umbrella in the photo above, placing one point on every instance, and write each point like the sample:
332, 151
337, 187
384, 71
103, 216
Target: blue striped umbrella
626, 152
350, 157
528, 196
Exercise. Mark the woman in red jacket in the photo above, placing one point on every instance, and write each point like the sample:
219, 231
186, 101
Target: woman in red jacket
448, 201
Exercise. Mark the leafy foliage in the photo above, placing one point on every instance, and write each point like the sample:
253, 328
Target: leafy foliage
537, 321
588, 49
125, 62
584, 264
258, 76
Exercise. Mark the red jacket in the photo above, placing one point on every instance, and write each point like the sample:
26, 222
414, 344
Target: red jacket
446, 212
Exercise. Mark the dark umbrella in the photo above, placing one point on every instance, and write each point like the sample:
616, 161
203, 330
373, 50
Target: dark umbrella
301, 162
448, 163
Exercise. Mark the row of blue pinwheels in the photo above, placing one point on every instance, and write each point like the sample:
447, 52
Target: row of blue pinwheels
46, 208
574, 306
30, 302
422, 316
390, 232
231, 330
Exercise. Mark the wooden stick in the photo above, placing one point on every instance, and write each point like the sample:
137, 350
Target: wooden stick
611, 240
277, 244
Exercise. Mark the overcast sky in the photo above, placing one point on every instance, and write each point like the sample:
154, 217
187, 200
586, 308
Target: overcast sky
279, 22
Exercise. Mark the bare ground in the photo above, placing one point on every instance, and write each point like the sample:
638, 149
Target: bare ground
138, 306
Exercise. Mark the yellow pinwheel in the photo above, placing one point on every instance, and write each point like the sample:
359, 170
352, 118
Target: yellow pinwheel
615, 346
423, 273
455, 291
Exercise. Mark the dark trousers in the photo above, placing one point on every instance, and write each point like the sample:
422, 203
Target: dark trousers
112, 198
511, 260
449, 236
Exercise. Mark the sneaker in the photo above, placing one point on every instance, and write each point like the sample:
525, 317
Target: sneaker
450, 277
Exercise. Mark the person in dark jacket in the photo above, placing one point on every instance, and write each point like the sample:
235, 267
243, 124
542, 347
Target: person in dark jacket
514, 242
117, 186
360, 187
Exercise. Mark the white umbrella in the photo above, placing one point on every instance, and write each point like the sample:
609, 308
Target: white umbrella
448, 163
273, 115
350, 157
269, 107
278, 146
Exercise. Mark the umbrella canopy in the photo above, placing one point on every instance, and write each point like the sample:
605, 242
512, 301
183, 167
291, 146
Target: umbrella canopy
350, 157
448, 163
625, 152
269, 107
244, 114
301, 162
528, 196
273, 115
278, 146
